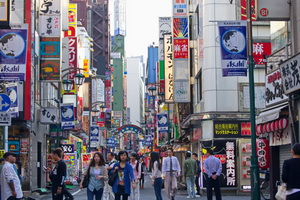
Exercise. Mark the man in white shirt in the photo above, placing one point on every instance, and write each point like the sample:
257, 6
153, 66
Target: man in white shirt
10, 182
108, 193
170, 170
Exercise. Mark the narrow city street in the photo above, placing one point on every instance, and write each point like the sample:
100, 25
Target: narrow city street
148, 194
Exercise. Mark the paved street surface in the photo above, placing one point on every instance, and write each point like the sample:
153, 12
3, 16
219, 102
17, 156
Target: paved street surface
148, 194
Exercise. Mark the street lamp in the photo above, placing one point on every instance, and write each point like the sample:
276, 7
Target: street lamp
67, 85
151, 91
79, 79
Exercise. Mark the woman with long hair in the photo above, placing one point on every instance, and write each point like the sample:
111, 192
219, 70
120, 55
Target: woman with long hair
125, 176
156, 174
97, 175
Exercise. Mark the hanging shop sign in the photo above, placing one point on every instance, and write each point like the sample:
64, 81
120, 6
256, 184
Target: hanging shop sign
49, 26
67, 116
181, 49
233, 47
180, 7
168, 57
49, 7
290, 74
231, 129
225, 150
95, 136
50, 47
50, 70
68, 148
49, 115
274, 92
263, 153
17, 12
260, 51
12, 93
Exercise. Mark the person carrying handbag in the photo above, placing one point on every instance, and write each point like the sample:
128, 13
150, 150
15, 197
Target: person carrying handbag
291, 174
97, 174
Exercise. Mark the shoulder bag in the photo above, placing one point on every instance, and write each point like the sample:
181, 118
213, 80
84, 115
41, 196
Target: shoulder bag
112, 176
280, 195
86, 179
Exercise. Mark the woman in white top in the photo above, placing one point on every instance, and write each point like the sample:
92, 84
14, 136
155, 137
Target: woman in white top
156, 174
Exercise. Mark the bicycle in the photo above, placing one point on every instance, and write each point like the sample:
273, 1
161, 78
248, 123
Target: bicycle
264, 176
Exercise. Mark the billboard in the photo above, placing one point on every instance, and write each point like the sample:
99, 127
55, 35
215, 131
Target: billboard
49, 7
120, 17
180, 7
233, 47
168, 54
181, 48
180, 27
49, 26
50, 47
50, 70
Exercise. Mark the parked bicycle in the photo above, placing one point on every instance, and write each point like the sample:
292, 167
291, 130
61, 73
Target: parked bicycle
264, 176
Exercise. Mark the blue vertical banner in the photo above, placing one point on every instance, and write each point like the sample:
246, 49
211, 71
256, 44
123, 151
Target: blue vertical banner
162, 129
67, 116
233, 44
95, 135
12, 92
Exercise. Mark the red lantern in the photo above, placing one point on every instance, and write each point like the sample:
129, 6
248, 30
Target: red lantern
276, 125
283, 123
268, 128
263, 153
272, 126
259, 129
263, 128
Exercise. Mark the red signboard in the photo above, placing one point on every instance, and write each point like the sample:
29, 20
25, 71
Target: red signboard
259, 51
72, 56
244, 10
181, 48
263, 153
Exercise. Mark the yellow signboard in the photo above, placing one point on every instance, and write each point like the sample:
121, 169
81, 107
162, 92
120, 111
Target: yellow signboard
86, 68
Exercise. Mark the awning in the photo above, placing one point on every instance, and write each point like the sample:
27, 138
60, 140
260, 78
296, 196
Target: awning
269, 115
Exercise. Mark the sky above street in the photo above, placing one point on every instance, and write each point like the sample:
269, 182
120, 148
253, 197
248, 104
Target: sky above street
142, 24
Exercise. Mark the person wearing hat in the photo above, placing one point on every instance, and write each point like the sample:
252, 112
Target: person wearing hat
10, 182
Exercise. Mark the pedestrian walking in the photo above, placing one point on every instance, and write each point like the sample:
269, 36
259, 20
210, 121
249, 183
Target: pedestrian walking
171, 170
57, 175
2, 161
143, 171
137, 172
97, 175
156, 174
198, 174
108, 193
213, 169
190, 169
10, 182
291, 174
125, 178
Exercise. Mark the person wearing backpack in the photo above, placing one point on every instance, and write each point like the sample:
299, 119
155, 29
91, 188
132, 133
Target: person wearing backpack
137, 171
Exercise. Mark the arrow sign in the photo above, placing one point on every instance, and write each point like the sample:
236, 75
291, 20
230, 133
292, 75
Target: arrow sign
4, 102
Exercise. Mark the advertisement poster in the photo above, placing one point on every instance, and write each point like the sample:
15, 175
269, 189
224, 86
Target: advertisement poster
85, 160
50, 70
225, 150
67, 116
72, 166
233, 47
13, 46
231, 129
50, 47
12, 92
162, 129
180, 27
181, 48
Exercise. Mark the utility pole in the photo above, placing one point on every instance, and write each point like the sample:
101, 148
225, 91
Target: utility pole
255, 192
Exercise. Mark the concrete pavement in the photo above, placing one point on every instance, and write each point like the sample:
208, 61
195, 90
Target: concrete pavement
145, 194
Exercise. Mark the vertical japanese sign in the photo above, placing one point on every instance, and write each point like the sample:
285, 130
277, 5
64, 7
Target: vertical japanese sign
262, 150
4, 12
162, 129
13, 48
290, 70
49, 26
72, 16
181, 86
17, 12
67, 116
168, 57
233, 46
230, 163
73, 57
12, 93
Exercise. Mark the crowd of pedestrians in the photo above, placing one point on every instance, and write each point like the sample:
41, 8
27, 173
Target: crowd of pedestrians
121, 176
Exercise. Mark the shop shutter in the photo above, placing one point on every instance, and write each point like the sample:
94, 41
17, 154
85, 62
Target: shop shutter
284, 154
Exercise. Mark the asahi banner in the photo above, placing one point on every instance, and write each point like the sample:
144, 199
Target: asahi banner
67, 116
233, 46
